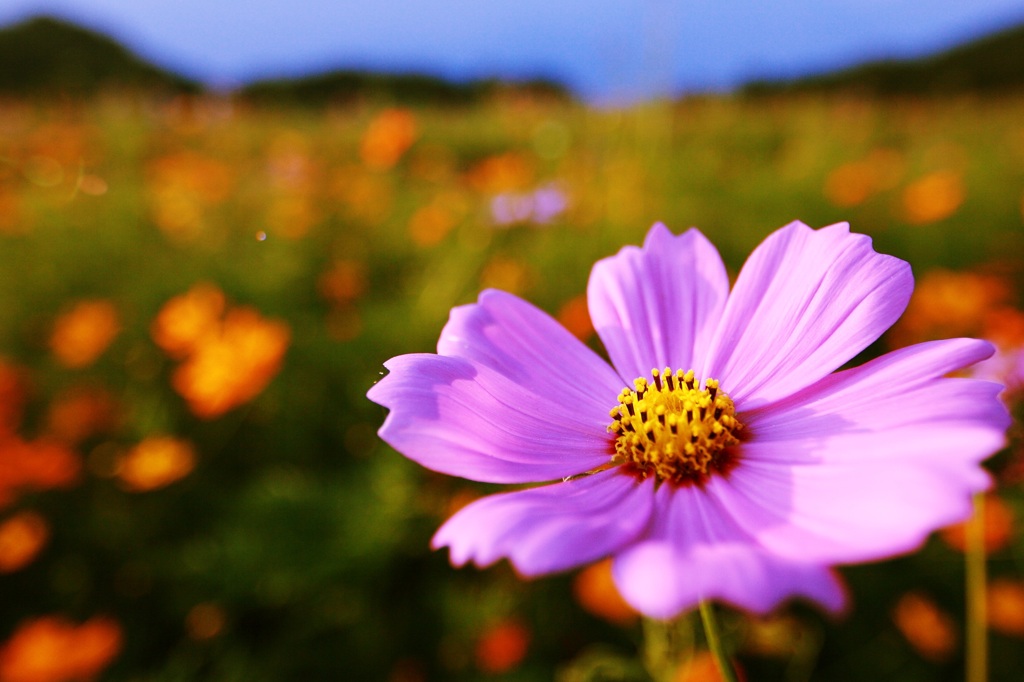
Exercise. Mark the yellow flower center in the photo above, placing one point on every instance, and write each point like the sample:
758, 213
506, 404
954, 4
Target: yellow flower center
673, 429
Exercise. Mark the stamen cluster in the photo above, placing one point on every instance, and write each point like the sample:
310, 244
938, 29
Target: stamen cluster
672, 428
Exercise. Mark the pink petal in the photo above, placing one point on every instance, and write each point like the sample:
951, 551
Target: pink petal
551, 528
806, 302
658, 306
466, 420
512, 398
694, 552
525, 344
868, 462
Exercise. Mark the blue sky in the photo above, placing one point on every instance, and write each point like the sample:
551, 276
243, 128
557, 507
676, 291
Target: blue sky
604, 49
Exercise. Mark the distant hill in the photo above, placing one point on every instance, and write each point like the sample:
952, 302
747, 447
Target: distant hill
992, 63
410, 89
43, 56
46, 56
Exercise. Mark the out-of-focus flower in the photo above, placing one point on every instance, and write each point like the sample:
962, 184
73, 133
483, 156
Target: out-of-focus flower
81, 334
343, 282
934, 197
433, 163
289, 165
65, 143
508, 172
431, 223
970, 304
233, 366
93, 185
182, 187
80, 413
156, 462
997, 519
925, 626
507, 274
187, 319
21, 538
366, 197
35, 465
1004, 327
538, 207
502, 647
53, 649
205, 621
701, 667
1004, 608
947, 303
852, 183
743, 483
595, 591
387, 138
574, 316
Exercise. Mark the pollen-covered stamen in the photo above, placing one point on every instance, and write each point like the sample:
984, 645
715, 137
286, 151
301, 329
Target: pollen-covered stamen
672, 428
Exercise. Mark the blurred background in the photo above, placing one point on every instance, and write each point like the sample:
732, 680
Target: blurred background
217, 220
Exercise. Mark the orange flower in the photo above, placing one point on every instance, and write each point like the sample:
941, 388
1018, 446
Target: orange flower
182, 187
40, 464
1005, 606
186, 319
505, 274
364, 197
343, 282
188, 172
595, 591
502, 173
430, 223
233, 367
852, 183
700, 668
998, 531
156, 462
81, 334
21, 538
81, 412
934, 197
928, 629
387, 138
947, 303
53, 649
502, 647
575, 316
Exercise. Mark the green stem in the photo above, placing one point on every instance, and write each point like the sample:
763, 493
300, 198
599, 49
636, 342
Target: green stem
707, 616
977, 635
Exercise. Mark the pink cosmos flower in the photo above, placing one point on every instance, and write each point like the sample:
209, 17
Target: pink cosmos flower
744, 465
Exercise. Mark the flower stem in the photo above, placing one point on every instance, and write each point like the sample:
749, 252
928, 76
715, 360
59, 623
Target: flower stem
977, 644
707, 616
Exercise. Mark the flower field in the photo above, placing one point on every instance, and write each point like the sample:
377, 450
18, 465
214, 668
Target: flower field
197, 293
